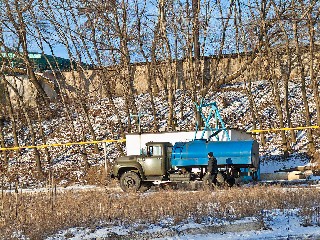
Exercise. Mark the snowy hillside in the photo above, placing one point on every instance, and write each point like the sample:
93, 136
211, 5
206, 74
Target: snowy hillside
233, 105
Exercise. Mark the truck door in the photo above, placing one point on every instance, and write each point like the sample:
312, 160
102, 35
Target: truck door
153, 163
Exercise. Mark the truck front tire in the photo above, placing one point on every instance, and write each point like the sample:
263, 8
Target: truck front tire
130, 182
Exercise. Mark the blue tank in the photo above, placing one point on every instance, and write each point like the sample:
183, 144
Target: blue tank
194, 153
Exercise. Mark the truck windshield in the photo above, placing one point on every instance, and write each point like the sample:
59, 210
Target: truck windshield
155, 151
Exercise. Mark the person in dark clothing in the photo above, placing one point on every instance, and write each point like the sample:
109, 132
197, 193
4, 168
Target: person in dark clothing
212, 171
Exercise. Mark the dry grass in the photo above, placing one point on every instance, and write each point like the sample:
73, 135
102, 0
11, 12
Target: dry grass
41, 214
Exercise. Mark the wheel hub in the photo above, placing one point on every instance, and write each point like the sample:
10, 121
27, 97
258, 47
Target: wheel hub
130, 182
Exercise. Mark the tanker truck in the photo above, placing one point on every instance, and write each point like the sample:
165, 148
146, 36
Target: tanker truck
186, 162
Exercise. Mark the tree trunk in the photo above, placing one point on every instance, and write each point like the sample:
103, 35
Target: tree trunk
287, 109
285, 64
32, 132
11, 114
277, 101
83, 150
303, 89
5, 155
252, 106
88, 122
150, 91
150, 69
41, 133
313, 75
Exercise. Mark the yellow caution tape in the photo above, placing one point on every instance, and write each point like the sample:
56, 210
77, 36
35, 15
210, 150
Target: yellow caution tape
61, 144
281, 129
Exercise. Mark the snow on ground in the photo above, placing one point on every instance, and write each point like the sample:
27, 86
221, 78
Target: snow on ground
279, 226
271, 165
273, 225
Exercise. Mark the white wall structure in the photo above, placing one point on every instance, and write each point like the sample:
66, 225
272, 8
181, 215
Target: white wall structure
135, 143
27, 90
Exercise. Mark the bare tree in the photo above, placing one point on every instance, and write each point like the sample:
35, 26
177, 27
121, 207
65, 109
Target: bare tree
162, 22
285, 62
4, 164
41, 132
79, 97
312, 19
30, 126
302, 73
15, 12
150, 67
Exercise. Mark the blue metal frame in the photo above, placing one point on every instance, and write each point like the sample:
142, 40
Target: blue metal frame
213, 111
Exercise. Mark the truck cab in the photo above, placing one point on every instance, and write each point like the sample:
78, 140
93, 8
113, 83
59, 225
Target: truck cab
156, 162
137, 172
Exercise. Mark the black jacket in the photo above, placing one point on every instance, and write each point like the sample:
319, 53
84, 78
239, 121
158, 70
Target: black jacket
212, 165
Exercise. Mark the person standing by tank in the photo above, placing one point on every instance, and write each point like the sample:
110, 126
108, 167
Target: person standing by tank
212, 171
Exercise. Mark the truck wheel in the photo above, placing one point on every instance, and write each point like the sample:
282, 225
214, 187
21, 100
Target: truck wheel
220, 178
255, 176
130, 182
230, 181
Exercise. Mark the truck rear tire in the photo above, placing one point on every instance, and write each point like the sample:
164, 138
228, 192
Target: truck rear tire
255, 176
130, 182
220, 178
